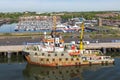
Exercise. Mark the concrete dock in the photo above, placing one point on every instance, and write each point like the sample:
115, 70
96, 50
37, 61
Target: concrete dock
16, 48
8, 50
102, 45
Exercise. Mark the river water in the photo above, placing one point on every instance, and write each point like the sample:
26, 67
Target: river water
18, 69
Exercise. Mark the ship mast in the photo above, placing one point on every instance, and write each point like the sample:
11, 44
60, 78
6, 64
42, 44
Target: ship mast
54, 24
81, 38
54, 30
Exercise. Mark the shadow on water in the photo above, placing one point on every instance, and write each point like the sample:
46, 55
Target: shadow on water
12, 59
32, 72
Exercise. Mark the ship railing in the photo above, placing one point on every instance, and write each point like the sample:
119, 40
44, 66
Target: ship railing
100, 58
96, 52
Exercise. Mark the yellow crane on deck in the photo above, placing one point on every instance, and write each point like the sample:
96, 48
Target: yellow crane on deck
81, 38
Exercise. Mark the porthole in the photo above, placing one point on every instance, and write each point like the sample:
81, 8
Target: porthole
47, 59
67, 71
53, 59
49, 55
55, 54
77, 59
60, 59
71, 59
41, 59
36, 54
42, 54
66, 59
62, 54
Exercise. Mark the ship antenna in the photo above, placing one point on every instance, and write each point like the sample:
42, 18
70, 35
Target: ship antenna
81, 38
54, 24
53, 32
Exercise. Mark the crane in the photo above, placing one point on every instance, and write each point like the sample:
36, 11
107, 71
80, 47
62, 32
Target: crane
81, 38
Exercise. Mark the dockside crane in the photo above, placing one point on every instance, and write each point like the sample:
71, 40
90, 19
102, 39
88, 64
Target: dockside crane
81, 38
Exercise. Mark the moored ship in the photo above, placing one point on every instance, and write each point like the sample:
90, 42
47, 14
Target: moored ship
52, 51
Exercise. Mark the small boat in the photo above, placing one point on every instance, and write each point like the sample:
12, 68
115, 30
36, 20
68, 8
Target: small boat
16, 28
52, 51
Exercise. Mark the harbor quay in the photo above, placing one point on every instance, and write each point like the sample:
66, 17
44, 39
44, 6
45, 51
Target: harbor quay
7, 50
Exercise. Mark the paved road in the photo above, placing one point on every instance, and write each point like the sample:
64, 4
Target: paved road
18, 40
16, 48
23, 40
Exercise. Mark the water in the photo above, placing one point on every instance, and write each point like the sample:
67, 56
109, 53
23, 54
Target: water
7, 28
10, 28
18, 69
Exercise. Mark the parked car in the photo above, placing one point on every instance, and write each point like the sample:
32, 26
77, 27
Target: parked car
85, 42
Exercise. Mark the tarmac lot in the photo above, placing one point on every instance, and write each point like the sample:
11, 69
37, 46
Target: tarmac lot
24, 40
